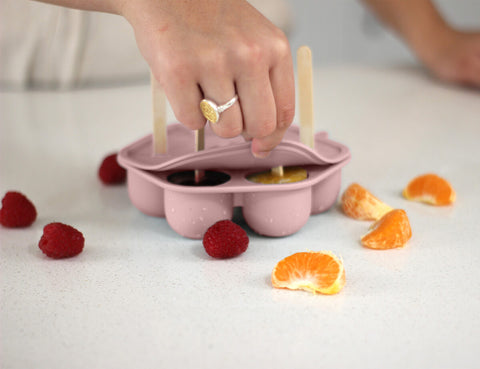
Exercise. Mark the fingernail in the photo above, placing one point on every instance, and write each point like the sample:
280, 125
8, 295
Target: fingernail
261, 154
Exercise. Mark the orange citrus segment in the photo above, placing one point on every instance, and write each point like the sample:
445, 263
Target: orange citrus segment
430, 189
391, 231
313, 271
359, 203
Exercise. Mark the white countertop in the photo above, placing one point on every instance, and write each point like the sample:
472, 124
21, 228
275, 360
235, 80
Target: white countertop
141, 296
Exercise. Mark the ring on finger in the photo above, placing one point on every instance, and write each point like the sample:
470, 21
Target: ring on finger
211, 111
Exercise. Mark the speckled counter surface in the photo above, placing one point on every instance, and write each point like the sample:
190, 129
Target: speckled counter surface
141, 296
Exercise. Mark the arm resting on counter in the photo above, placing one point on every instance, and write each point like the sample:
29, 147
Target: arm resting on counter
452, 55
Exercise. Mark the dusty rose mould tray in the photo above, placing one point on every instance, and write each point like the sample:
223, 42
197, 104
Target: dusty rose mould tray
269, 209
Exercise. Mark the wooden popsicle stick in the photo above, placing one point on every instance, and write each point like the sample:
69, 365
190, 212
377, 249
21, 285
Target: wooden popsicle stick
277, 171
199, 146
159, 111
305, 96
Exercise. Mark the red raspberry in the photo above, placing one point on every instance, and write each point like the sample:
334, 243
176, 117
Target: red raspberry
225, 239
17, 210
61, 241
110, 172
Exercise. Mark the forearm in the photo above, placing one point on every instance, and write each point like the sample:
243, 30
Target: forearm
417, 21
106, 6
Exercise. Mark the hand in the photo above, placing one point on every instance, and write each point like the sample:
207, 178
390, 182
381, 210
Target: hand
456, 58
451, 55
216, 49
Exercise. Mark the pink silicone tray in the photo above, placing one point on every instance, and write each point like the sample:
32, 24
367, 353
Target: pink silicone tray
271, 210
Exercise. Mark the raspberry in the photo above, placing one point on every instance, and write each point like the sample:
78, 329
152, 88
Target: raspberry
225, 239
110, 172
61, 241
17, 210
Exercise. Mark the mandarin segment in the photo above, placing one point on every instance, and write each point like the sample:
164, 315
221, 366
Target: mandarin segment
358, 203
391, 231
430, 189
313, 271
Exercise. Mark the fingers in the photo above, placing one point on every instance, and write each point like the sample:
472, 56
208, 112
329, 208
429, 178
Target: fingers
472, 76
261, 147
284, 93
184, 96
258, 103
283, 87
472, 50
461, 63
218, 86
277, 106
263, 113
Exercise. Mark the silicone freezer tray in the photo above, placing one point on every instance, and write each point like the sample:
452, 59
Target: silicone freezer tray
269, 209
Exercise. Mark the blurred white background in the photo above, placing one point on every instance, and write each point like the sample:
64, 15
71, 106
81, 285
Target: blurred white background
344, 31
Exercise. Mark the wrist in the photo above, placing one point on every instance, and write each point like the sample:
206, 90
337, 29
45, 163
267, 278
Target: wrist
141, 14
123, 8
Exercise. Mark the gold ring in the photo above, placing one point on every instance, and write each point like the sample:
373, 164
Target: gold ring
211, 111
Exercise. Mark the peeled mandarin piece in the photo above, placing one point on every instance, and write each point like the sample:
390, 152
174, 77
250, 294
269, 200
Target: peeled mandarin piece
316, 272
430, 189
391, 231
359, 203
290, 175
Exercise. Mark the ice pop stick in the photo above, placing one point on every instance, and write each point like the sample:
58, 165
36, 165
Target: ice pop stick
305, 88
305, 95
159, 117
277, 171
199, 145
